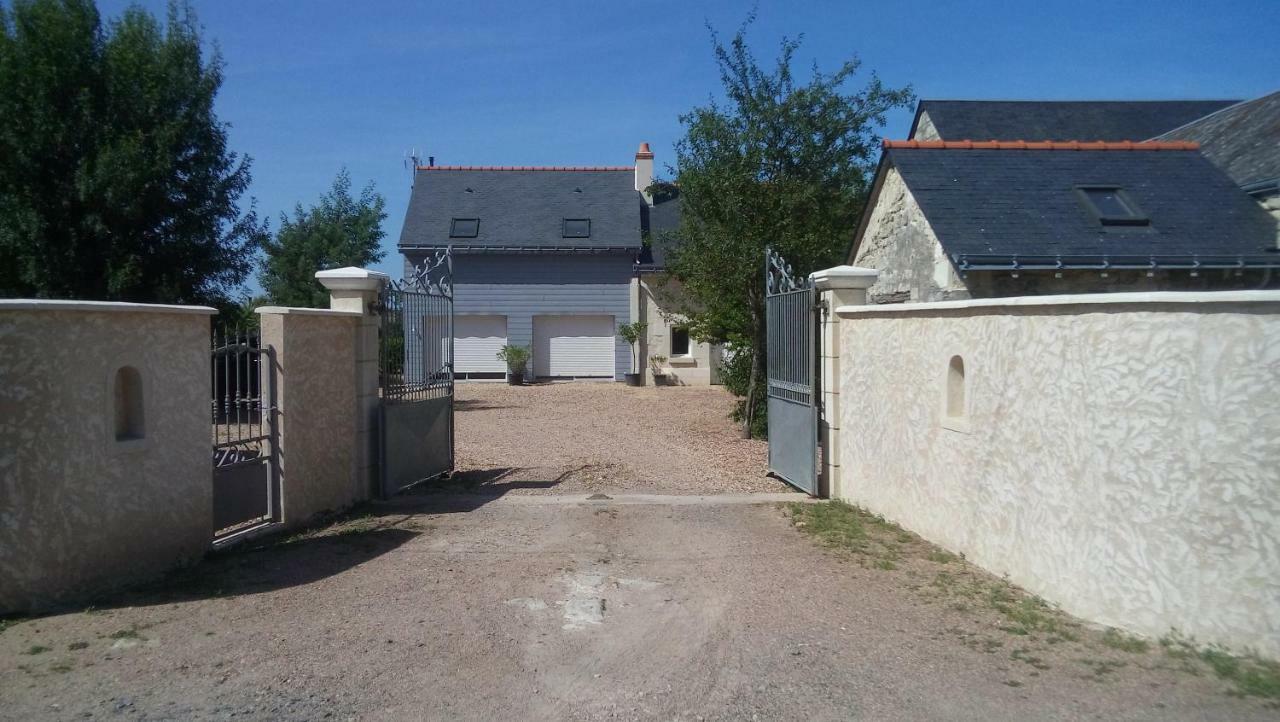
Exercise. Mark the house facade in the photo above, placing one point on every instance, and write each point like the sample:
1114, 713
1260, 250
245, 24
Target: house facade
547, 258
1063, 201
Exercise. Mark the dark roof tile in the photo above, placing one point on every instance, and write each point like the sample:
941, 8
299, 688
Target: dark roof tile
523, 207
1062, 120
1023, 202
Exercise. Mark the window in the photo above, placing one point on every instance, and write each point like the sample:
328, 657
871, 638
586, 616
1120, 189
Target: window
577, 228
1111, 206
130, 424
464, 228
679, 342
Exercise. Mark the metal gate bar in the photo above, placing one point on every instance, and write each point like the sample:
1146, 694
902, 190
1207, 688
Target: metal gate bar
416, 375
242, 404
791, 345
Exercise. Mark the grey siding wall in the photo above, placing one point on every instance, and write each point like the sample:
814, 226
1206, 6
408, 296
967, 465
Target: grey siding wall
521, 286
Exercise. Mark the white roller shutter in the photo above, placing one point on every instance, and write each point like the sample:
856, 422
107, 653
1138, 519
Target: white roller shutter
573, 346
476, 342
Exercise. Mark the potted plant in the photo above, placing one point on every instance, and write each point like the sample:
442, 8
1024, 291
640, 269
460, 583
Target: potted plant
655, 368
632, 333
516, 357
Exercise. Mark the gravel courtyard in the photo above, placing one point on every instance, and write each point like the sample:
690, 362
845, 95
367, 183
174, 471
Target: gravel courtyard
606, 553
605, 437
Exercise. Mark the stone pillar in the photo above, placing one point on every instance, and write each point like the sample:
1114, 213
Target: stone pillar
357, 289
839, 286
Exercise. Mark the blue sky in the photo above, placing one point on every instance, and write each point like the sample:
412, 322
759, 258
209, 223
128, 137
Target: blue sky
313, 86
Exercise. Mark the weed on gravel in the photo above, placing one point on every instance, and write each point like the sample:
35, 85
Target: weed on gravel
1042, 631
1249, 674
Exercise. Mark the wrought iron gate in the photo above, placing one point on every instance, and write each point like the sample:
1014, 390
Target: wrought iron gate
792, 334
245, 492
416, 375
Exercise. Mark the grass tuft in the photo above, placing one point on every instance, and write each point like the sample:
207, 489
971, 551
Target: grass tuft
1117, 639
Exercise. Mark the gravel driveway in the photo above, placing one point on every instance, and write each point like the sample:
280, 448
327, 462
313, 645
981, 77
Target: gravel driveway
543, 598
552, 607
576, 436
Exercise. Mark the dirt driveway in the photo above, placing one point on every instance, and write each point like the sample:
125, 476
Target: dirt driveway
522, 599
606, 437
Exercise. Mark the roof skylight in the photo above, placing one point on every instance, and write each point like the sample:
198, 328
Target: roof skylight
464, 228
1111, 206
576, 228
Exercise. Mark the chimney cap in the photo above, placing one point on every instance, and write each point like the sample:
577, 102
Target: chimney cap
644, 152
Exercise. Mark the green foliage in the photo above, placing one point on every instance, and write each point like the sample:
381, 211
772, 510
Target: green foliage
340, 231
516, 357
735, 374
1117, 639
779, 163
632, 333
391, 346
116, 182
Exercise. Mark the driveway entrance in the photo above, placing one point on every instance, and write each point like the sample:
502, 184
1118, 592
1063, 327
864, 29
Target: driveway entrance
541, 585
605, 436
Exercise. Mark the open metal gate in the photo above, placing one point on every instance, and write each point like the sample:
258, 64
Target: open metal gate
792, 334
416, 375
245, 487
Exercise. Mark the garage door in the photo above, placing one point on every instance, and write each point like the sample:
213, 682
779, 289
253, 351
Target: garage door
573, 346
476, 342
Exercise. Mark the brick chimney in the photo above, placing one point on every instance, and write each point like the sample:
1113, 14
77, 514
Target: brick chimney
644, 171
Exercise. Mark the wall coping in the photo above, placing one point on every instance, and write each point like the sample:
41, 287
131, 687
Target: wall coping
351, 278
41, 304
1181, 298
840, 277
295, 311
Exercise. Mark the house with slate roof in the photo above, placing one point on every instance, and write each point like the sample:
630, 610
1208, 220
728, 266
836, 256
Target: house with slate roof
1008, 198
554, 259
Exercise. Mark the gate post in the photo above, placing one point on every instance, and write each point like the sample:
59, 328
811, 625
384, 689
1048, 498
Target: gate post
357, 289
838, 286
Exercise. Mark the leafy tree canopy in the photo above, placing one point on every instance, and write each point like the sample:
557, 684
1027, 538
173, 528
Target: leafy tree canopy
340, 231
777, 162
116, 182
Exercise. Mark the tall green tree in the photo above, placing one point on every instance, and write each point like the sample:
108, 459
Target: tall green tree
341, 230
116, 181
776, 162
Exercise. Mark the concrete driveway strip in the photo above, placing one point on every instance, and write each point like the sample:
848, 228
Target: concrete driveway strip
566, 609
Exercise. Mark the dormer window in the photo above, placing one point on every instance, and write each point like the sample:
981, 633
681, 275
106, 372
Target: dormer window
1111, 206
576, 228
464, 228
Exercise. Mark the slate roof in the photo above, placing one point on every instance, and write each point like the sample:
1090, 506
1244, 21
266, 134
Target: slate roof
1061, 120
523, 207
659, 221
989, 205
1243, 139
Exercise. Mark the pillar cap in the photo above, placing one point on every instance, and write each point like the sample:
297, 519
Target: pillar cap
841, 277
352, 279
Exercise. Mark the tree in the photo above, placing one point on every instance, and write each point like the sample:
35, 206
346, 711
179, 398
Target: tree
116, 182
776, 163
340, 231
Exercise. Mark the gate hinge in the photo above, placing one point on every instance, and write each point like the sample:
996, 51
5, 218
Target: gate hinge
821, 305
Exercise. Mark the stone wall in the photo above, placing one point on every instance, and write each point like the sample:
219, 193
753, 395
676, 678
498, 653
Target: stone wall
925, 129
900, 244
105, 467
1115, 454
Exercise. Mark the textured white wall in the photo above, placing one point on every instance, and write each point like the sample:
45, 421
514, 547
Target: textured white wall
658, 296
80, 512
1122, 453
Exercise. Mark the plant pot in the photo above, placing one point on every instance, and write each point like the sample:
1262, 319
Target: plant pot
659, 379
635, 379
515, 379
